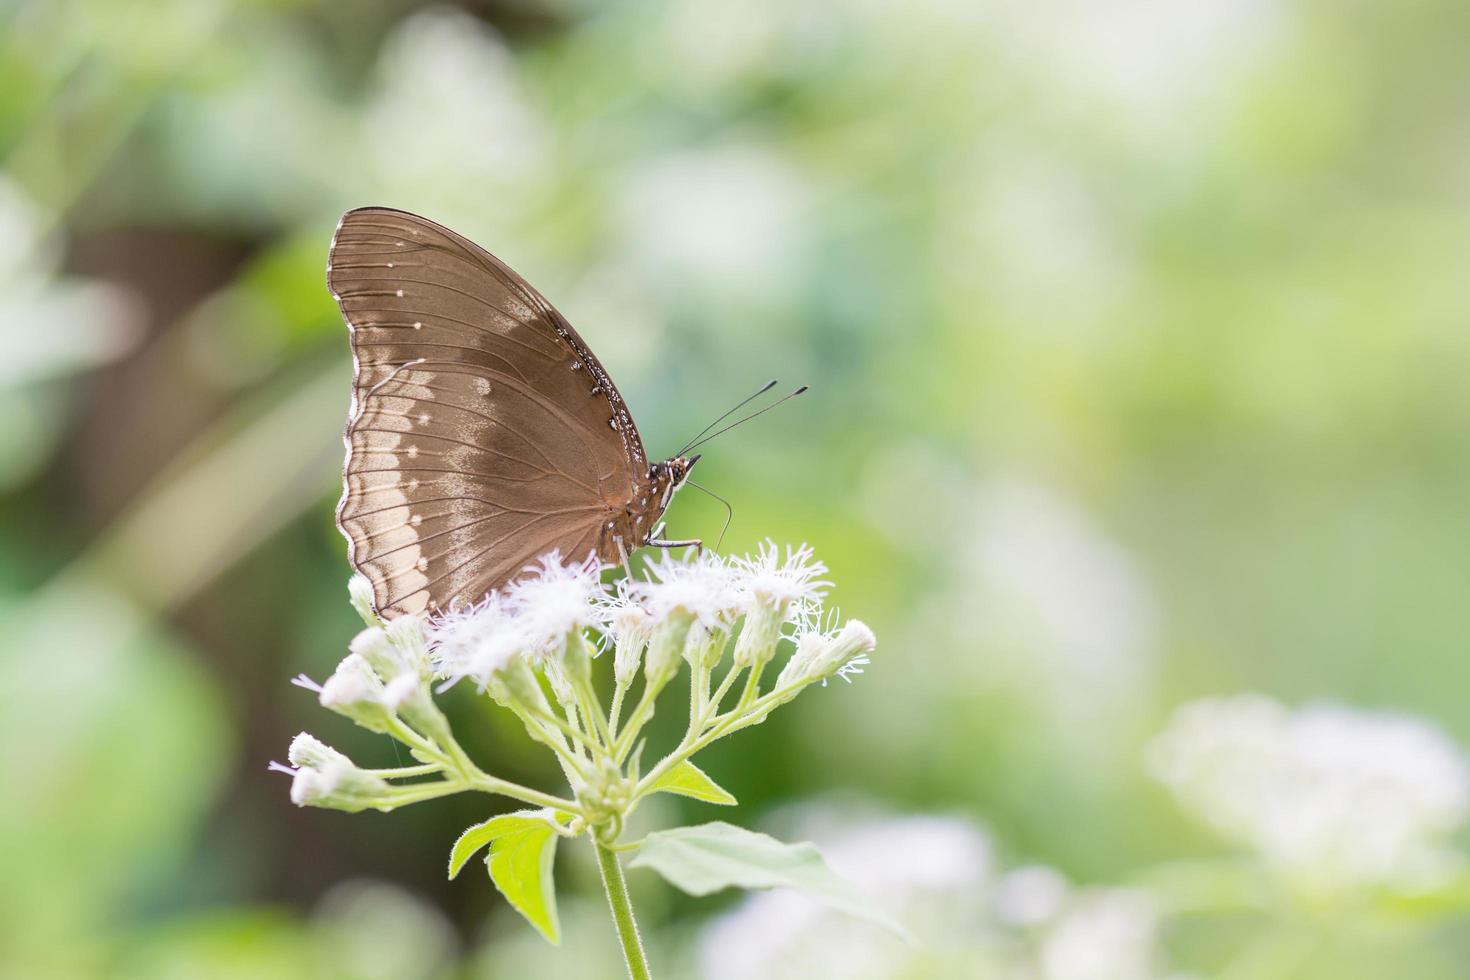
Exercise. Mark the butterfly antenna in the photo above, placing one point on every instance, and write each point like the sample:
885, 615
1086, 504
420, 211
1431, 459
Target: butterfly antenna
765, 388
729, 511
747, 418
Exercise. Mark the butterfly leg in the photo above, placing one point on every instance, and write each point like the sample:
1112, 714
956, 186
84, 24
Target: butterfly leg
623, 555
691, 543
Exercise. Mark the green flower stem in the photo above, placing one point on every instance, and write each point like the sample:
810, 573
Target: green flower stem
573, 732
537, 726
752, 688
591, 708
470, 775
723, 725
713, 704
404, 795
641, 713
423, 749
698, 691
583, 744
620, 691
492, 784
406, 772
622, 912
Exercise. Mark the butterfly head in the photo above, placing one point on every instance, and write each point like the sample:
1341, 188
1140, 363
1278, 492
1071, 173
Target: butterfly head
675, 470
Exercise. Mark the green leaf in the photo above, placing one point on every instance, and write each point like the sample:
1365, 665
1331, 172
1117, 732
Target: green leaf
520, 861
522, 851
712, 856
469, 842
687, 779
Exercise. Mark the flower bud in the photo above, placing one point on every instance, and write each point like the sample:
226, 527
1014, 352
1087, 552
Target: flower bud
561, 684
339, 785
666, 646
630, 624
809, 648
847, 652
819, 656
515, 684
309, 752
575, 658
381, 653
704, 646
407, 636
360, 593
759, 636
355, 691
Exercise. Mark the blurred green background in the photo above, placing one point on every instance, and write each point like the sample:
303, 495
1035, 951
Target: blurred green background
1138, 341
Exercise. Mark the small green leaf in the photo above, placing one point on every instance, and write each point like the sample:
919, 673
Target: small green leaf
471, 841
687, 779
520, 862
712, 856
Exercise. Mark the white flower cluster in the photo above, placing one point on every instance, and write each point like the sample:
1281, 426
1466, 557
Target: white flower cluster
1329, 796
384, 675
936, 874
681, 607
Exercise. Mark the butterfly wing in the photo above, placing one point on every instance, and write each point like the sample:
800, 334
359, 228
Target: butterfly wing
482, 432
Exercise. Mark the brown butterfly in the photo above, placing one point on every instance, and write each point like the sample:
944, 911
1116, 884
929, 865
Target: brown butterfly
482, 432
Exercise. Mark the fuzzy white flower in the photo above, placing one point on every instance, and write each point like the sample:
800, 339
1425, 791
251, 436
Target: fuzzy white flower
699, 588
1329, 796
824, 653
787, 585
629, 627
479, 642
355, 691
555, 600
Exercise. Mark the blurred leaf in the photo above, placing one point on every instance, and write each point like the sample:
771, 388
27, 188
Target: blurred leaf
107, 715
713, 856
687, 779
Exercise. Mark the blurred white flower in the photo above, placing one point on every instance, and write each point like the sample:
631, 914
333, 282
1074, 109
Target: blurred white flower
1141, 64
1063, 606
57, 325
1330, 796
1059, 262
727, 220
1102, 934
448, 91
372, 930
1030, 896
930, 871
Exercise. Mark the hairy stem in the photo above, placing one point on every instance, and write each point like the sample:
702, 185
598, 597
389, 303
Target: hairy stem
490, 784
622, 912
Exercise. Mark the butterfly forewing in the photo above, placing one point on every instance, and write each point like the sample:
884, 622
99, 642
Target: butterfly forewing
482, 432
